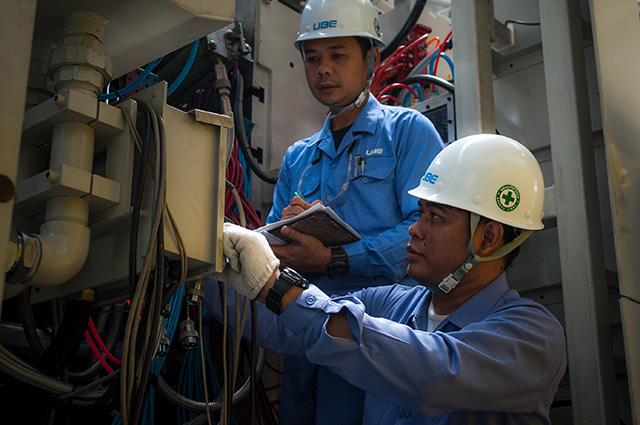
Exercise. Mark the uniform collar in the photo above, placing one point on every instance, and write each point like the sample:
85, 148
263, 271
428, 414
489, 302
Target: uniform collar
480, 305
366, 122
474, 310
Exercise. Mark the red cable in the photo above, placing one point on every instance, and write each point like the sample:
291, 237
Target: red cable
398, 85
103, 347
96, 352
388, 96
442, 47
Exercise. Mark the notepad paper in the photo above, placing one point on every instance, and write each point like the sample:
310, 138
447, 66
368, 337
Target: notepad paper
318, 221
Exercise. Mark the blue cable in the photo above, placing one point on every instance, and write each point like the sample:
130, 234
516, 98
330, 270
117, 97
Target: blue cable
418, 89
186, 69
446, 58
135, 83
156, 366
132, 85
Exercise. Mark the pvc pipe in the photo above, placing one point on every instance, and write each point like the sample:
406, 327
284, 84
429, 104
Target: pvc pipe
64, 240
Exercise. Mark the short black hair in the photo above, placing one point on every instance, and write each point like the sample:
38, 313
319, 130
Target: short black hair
365, 45
509, 234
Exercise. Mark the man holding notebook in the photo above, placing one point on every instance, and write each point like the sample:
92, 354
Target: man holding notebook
361, 164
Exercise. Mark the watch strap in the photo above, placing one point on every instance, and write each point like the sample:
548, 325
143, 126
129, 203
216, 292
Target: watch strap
288, 278
339, 265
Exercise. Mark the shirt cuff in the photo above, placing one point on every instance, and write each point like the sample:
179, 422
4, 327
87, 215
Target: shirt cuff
307, 315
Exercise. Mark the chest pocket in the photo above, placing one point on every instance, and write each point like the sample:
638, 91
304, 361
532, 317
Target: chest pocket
375, 169
310, 187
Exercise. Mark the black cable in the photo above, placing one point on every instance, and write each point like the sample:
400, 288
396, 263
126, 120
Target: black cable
154, 315
430, 79
413, 17
254, 360
238, 120
516, 21
67, 341
266, 404
137, 202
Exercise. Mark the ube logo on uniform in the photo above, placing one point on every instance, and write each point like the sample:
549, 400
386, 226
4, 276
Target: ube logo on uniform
325, 24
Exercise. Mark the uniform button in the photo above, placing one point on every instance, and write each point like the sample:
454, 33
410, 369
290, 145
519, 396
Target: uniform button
333, 165
407, 412
365, 180
310, 300
329, 198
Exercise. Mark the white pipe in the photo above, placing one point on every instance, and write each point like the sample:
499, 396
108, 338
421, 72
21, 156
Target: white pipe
64, 238
64, 241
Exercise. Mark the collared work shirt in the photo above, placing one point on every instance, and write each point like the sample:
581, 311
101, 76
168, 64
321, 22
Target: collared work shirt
498, 359
382, 156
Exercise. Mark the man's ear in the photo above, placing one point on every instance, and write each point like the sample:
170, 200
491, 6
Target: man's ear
492, 234
376, 53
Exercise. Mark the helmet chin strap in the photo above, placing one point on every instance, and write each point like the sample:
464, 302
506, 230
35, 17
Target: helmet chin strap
450, 282
364, 94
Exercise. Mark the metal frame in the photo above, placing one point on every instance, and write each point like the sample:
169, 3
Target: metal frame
579, 234
619, 86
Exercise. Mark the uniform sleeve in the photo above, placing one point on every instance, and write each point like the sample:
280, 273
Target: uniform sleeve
384, 255
508, 363
272, 334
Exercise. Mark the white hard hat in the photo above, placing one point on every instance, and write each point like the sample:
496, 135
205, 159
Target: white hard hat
339, 18
490, 175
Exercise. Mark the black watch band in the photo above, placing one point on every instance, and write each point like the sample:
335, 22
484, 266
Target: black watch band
339, 265
288, 278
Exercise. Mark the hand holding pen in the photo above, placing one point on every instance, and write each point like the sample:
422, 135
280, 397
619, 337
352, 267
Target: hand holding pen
297, 205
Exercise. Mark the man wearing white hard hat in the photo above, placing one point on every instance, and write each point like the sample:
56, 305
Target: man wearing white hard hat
361, 164
461, 348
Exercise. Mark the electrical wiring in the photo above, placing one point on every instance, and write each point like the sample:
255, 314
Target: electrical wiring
392, 64
169, 325
519, 22
131, 86
413, 17
238, 118
388, 96
185, 69
118, 94
418, 89
398, 85
204, 370
447, 59
17, 368
96, 352
98, 339
443, 46
130, 384
235, 174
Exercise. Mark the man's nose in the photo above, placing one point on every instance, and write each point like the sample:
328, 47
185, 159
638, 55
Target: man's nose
323, 67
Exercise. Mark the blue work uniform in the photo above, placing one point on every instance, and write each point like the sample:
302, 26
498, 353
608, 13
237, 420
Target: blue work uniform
498, 359
383, 155
365, 181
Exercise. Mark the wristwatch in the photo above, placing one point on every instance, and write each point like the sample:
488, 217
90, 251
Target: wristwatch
339, 265
288, 278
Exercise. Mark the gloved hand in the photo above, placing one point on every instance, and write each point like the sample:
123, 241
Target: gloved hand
251, 261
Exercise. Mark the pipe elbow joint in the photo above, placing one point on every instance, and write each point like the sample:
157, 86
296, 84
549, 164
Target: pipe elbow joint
64, 250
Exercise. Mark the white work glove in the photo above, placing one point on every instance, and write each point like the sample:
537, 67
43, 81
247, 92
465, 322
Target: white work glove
251, 261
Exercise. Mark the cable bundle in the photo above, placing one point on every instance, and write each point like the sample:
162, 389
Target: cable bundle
400, 80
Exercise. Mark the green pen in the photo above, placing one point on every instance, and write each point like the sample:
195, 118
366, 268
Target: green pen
297, 194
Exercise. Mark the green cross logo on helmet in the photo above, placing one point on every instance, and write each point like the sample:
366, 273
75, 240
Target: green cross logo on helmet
508, 197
